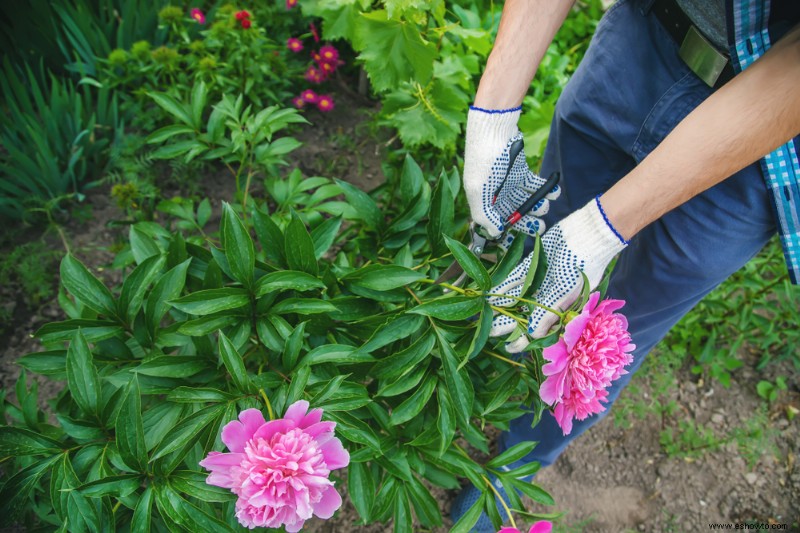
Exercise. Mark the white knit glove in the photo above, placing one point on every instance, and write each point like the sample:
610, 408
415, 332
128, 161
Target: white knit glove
584, 241
493, 143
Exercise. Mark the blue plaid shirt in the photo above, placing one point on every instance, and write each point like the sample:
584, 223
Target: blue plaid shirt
752, 26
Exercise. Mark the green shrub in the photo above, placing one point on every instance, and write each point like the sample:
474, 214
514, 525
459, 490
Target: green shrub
332, 302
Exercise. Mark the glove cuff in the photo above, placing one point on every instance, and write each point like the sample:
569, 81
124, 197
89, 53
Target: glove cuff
492, 127
591, 235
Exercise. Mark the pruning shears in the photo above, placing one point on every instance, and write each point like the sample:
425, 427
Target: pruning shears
479, 241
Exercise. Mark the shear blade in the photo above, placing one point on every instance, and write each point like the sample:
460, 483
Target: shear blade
452, 271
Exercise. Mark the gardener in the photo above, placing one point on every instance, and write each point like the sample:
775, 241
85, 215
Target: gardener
659, 138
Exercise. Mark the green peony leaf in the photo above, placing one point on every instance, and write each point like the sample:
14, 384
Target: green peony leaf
130, 428
238, 246
299, 247
82, 377
457, 307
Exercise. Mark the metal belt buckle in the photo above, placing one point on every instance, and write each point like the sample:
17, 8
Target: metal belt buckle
701, 57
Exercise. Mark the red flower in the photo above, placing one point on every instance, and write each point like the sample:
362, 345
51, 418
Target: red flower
298, 102
290, 4
309, 96
246, 24
197, 15
294, 44
242, 15
314, 32
325, 103
327, 68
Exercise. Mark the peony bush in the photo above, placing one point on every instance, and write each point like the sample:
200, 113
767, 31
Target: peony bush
317, 302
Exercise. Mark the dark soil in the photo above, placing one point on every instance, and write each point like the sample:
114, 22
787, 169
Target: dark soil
611, 480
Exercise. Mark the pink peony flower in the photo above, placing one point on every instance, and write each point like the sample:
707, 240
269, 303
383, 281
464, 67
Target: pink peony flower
542, 526
590, 355
325, 103
279, 469
294, 44
197, 15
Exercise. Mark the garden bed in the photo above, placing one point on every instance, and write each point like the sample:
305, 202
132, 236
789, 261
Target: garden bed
612, 479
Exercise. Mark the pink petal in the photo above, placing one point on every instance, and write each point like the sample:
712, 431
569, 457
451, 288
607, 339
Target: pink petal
509, 530
610, 305
330, 502
563, 418
313, 417
295, 527
552, 389
217, 460
315, 430
272, 427
296, 412
542, 526
235, 434
558, 356
574, 328
221, 466
335, 454
591, 303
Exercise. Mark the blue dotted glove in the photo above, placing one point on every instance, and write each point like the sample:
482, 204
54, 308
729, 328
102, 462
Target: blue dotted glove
584, 242
494, 156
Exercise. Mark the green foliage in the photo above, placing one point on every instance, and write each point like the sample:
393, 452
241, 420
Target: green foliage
423, 59
236, 135
70, 35
419, 57
689, 439
55, 136
224, 56
204, 326
757, 306
557, 66
748, 313
27, 277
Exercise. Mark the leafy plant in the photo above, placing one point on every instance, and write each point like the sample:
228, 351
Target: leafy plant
233, 134
197, 332
223, 54
70, 35
756, 306
769, 390
54, 138
423, 59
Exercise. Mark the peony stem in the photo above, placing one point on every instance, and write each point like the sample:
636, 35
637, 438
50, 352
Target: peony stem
429, 261
502, 501
269, 405
506, 359
559, 314
504, 311
445, 285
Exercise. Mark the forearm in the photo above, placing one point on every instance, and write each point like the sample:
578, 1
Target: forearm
749, 117
526, 30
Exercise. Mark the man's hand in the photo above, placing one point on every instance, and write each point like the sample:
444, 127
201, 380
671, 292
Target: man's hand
584, 242
497, 179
